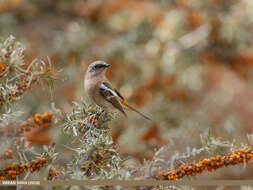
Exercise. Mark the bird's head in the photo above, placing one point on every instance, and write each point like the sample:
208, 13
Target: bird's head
97, 67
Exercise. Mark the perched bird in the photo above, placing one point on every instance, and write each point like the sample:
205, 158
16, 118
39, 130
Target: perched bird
101, 92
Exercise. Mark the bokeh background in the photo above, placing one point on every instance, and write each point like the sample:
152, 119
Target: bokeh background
187, 64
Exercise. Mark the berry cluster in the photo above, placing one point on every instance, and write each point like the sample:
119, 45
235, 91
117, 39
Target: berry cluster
37, 121
13, 170
7, 155
41, 120
53, 174
83, 128
93, 120
211, 164
20, 88
97, 157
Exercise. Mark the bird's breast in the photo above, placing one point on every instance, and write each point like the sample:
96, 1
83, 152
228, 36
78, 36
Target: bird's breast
91, 86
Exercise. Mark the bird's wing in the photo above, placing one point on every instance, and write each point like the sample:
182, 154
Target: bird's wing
108, 85
111, 95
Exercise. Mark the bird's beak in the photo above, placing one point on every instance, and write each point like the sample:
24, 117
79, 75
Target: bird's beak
107, 65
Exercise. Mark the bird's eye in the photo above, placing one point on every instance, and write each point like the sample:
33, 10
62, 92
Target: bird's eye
98, 66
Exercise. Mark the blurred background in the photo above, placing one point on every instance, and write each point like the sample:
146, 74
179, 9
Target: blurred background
187, 64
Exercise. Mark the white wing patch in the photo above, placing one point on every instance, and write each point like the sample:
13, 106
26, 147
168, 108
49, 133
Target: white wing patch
108, 89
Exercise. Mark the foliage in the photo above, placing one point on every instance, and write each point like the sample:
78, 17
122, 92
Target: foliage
186, 64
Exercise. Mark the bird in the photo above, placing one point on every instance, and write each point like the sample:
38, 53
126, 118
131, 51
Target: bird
101, 91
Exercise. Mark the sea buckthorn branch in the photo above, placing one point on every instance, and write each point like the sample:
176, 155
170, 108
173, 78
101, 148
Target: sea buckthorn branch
20, 88
17, 76
168, 156
14, 170
11, 56
14, 90
33, 130
83, 121
211, 164
96, 159
96, 154
37, 121
11, 171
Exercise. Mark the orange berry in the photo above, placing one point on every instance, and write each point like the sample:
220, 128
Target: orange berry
2, 67
43, 159
26, 165
206, 161
38, 118
3, 131
13, 176
247, 150
38, 166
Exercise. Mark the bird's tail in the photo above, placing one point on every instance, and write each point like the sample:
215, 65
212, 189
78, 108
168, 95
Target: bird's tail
132, 108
